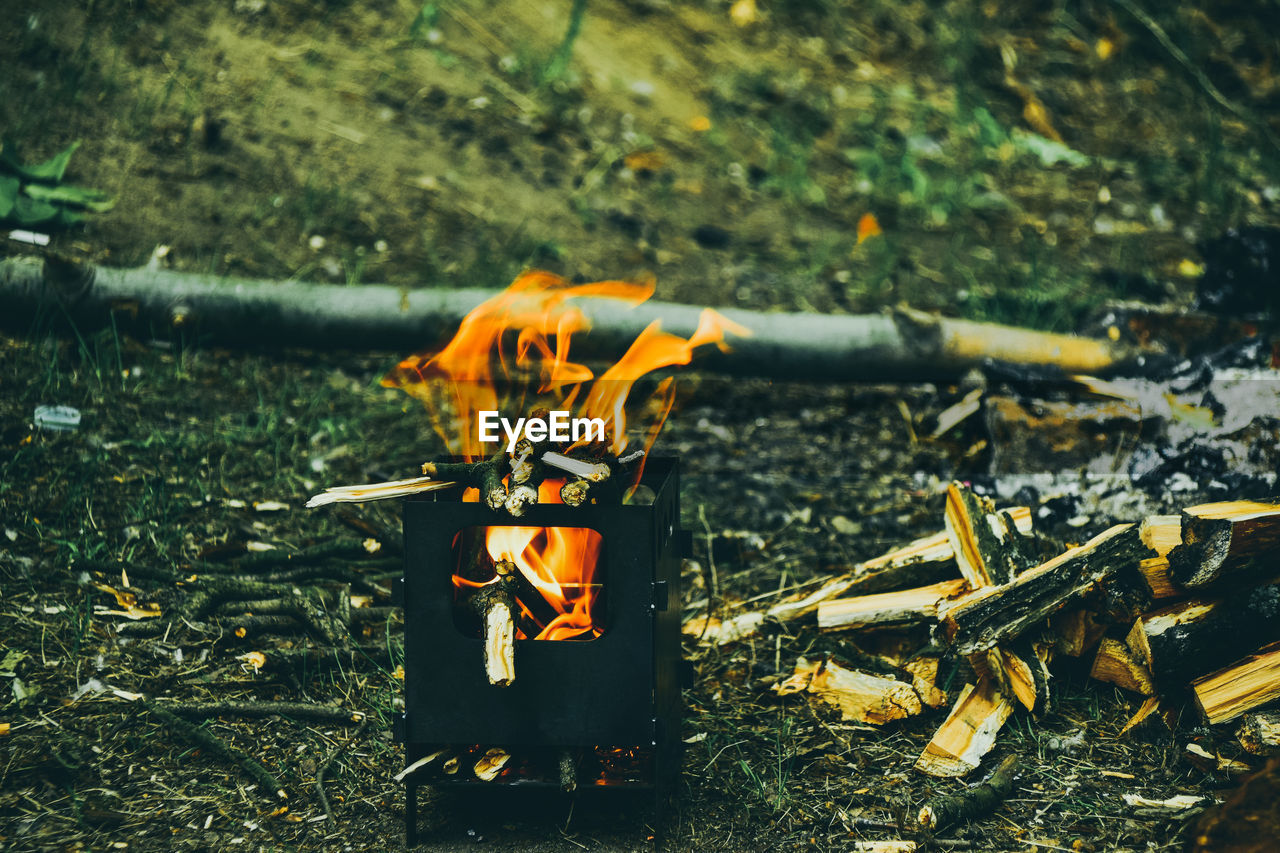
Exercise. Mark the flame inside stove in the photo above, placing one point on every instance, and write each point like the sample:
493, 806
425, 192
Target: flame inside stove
511, 354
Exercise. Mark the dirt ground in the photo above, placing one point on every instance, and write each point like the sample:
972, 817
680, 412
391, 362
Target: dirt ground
1023, 163
170, 477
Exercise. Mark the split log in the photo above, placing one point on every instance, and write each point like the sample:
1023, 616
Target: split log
971, 803
583, 490
905, 607
1160, 533
491, 764
860, 696
1260, 733
1228, 538
1020, 670
924, 561
1075, 631
968, 733
1243, 686
985, 617
495, 604
1116, 664
988, 546
905, 345
1193, 637
923, 670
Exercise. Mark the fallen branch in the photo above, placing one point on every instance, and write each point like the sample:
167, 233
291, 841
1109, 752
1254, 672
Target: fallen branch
971, 803
297, 710
906, 345
210, 743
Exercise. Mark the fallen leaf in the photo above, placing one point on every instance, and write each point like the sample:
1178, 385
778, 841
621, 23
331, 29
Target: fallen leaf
650, 160
868, 226
257, 660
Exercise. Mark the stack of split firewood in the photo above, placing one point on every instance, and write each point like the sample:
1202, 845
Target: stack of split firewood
1173, 608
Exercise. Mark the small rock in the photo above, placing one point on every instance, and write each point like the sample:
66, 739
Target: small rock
712, 237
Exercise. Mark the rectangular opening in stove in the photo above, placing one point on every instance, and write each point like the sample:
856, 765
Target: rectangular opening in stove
556, 578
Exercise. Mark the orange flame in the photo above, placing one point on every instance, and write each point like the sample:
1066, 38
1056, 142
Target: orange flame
464, 378
560, 563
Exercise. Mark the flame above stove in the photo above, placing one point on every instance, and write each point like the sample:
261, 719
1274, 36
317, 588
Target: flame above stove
481, 370
512, 354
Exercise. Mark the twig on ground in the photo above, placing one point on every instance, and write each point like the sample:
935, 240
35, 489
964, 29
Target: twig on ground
1202, 79
324, 801
298, 710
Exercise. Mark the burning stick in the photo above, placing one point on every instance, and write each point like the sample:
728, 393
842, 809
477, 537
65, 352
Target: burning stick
604, 489
527, 468
496, 605
485, 475
595, 471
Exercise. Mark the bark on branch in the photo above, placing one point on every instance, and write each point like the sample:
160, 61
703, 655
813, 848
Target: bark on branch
905, 345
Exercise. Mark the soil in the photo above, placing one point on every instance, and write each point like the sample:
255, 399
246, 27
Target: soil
170, 480
731, 150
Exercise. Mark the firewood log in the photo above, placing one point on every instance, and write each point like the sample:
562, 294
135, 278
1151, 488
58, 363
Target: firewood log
486, 475
1019, 669
988, 545
905, 607
496, 607
1187, 639
968, 733
1160, 533
1115, 663
1243, 686
1231, 538
1260, 733
985, 617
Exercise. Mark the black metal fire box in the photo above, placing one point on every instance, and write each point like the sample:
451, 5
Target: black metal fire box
597, 713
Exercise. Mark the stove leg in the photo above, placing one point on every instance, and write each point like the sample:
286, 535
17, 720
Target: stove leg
411, 815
